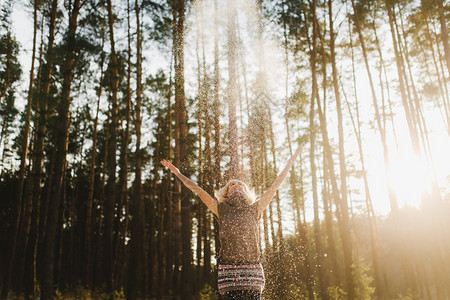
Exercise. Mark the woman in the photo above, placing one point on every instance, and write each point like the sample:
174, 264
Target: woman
240, 273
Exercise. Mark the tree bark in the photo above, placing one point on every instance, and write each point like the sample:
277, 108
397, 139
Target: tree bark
88, 232
381, 129
406, 106
60, 159
382, 289
111, 163
182, 197
28, 203
137, 257
216, 112
312, 145
38, 151
232, 93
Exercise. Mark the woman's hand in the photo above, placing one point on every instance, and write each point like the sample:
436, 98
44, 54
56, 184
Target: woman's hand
169, 165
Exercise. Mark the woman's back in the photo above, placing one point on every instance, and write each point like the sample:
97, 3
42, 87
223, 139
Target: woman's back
238, 231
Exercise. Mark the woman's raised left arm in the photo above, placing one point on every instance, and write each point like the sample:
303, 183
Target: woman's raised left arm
209, 201
268, 195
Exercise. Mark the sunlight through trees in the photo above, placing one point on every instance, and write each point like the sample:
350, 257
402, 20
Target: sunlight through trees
94, 94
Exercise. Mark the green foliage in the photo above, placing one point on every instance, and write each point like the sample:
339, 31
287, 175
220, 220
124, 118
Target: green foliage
10, 69
119, 294
337, 293
293, 17
207, 293
409, 295
362, 280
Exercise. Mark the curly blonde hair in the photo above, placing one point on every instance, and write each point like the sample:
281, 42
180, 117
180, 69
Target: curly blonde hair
222, 194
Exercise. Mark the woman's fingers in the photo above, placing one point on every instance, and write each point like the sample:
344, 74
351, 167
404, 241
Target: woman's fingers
169, 165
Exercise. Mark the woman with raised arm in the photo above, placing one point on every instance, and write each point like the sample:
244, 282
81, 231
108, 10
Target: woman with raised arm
240, 273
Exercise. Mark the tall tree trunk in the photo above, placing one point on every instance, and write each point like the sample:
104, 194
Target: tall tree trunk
183, 197
60, 159
343, 215
336, 274
207, 172
232, 92
87, 272
28, 203
169, 262
342, 163
209, 175
383, 72
279, 235
98, 216
111, 162
420, 118
406, 106
216, 105
38, 149
200, 181
312, 144
137, 257
440, 77
381, 129
157, 282
121, 221
216, 112
382, 289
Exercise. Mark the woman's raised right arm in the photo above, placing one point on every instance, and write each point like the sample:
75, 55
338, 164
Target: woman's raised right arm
209, 201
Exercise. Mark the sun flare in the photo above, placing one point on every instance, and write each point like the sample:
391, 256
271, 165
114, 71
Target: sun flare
410, 177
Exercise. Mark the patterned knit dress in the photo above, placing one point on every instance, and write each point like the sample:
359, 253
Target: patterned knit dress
240, 255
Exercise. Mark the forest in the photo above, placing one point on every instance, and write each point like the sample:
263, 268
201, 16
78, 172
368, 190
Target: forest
95, 93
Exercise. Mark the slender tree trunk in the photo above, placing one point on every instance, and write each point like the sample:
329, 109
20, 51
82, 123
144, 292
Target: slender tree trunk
312, 142
380, 284
383, 72
440, 77
265, 185
183, 196
279, 235
121, 227
402, 85
200, 109
111, 163
169, 242
158, 194
44, 84
31, 275
216, 105
232, 92
98, 217
60, 159
27, 218
208, 173
343, 219
381, 129
217, 132
88, 233
342, 163
137, 257
329, 223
